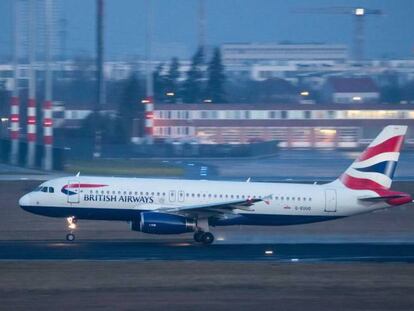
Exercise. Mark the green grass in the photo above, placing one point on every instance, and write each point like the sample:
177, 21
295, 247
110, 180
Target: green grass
123, 168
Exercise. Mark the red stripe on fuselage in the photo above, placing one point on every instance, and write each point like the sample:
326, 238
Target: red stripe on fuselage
360, 183
391, 145
367, 184
84, 186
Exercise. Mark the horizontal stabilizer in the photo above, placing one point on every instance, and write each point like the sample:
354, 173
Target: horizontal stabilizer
392, 197
382, 198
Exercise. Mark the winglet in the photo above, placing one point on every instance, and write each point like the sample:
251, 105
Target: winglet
78, 174
248, 179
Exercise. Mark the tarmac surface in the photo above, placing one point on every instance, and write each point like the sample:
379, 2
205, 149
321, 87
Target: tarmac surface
358, 263
185, 250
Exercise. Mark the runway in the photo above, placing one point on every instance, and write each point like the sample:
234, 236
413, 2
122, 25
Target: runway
189, 251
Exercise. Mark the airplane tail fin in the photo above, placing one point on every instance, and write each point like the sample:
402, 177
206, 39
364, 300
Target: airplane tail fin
375, 167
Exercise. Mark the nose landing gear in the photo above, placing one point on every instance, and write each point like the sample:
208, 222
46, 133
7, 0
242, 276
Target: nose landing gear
72, 226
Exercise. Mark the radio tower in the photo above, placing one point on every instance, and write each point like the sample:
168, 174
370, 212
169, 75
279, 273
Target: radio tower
100, 92
149, 100
31, 105
202, 27
47, 105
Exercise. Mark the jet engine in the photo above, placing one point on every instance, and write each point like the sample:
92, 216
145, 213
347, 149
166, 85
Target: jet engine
163, 223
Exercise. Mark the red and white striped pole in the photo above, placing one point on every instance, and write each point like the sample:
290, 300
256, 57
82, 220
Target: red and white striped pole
47, 106
31, 105
149, 118
149, 100
14, 101
14, 127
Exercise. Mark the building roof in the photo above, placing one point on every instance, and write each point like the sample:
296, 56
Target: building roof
352, 85
293, 106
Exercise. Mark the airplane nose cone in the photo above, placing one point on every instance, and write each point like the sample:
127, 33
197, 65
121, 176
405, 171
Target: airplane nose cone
25, 200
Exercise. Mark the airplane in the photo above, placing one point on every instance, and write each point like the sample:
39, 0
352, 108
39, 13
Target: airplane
166, 206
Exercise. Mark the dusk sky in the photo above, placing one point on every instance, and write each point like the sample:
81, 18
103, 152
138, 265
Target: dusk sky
175, 27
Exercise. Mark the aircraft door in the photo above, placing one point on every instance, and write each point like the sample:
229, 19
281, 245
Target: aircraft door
181, 196
73, 191
172, 195
330, 200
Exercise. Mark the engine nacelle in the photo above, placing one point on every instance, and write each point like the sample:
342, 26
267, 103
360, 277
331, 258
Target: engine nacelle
163, 223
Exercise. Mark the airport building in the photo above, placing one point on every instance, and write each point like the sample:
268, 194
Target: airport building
294, 125
266, 60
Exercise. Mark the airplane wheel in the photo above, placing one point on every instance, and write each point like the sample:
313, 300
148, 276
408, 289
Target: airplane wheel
70, 237
207, 238
198, 236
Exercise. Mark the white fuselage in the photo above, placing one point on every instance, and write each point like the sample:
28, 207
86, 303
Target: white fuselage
113, 198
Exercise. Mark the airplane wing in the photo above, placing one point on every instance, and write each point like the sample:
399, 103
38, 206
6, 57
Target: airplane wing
214, 208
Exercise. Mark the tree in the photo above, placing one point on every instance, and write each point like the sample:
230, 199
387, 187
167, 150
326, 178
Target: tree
193, 86
130, 107
159, 83
216, 78
171, 81
390, 91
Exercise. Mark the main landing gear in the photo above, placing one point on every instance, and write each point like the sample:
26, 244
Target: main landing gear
72, 226
202, 235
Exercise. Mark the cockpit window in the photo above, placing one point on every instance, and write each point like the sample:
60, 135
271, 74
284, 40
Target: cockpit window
44, 189
51, 190
38, 189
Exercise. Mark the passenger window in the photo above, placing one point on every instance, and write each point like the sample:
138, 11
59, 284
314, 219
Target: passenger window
51, 190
